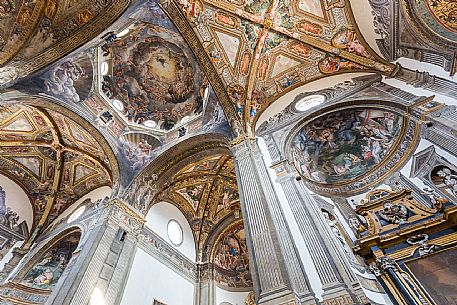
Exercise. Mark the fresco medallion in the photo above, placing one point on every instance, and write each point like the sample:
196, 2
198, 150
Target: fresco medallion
445, 12
342, 146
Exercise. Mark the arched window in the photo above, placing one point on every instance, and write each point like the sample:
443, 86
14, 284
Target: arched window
76, 214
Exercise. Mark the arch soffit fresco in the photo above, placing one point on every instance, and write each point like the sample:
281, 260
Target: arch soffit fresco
280, 39
200, 180
207, 194
46, 245
396, 155
54, 158
35, 34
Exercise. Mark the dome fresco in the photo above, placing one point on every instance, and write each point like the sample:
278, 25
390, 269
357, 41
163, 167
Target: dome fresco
344, 145
154, 78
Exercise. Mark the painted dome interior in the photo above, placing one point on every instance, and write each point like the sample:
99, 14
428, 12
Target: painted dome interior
251, 127
151, 78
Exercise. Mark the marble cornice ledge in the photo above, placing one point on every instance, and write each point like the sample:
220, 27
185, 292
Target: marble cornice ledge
159, 249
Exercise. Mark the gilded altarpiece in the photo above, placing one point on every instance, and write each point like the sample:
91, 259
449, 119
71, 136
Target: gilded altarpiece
410, 247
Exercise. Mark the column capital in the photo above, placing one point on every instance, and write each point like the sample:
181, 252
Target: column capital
283, 168
381, 264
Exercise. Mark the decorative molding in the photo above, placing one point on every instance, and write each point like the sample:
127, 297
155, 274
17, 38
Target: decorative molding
158, 248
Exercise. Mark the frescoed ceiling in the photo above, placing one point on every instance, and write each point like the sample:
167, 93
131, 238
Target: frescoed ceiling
343, 146
349, 150
263, 48
152, 78
421, 30
35, 33
143, 90
435, 16
207, 193
230, 257
55, 159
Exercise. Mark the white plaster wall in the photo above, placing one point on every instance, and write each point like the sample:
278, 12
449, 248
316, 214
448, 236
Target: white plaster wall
233, 298
99, 193
17, 200
149, 279
157, 220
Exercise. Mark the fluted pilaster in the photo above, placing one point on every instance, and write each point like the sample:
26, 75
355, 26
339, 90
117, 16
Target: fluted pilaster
278, 274
332, 267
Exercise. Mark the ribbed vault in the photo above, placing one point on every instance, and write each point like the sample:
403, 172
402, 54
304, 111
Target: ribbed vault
54, 158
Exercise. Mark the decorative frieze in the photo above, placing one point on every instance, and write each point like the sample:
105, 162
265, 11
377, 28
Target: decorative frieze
165, 253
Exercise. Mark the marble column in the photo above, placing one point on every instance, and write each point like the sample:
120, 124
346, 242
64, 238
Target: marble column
278, 274
103, 262
338, 280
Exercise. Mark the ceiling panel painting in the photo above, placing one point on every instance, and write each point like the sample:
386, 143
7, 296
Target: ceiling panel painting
279, 36
313, 7
36, 33
51, 165
20, 123
155, 77
283, 63
231, 259
350, 150
343, 146
207, 193
230, 45
34, 164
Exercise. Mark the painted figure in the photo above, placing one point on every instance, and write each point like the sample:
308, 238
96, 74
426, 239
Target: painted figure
345, 144
49, 268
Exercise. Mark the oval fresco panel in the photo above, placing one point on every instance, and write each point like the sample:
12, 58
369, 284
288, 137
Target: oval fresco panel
343, 145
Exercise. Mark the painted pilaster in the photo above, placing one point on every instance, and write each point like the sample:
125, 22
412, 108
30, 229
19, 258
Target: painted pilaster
103, 262
426, 81
338, 281
204, 288
18, 254
278, 274
443, 128
348, 213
